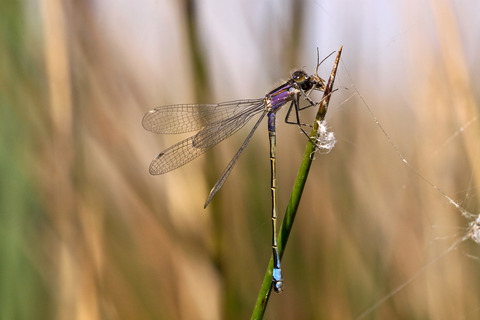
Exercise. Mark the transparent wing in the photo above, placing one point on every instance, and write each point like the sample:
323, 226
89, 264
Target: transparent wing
218, 131
192, 147
181, 118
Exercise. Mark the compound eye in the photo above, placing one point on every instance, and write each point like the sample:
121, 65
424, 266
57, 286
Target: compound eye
299, 76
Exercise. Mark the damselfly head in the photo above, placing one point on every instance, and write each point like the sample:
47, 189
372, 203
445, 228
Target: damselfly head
300, 77
306, 82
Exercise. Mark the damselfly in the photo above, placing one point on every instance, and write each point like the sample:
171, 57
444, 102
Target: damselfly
215, 122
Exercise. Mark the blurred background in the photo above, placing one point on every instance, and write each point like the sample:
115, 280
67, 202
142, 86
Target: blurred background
87, 233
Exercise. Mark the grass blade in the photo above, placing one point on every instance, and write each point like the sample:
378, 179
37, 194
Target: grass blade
266, 288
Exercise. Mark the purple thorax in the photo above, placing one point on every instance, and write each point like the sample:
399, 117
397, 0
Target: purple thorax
276, 99
279, 96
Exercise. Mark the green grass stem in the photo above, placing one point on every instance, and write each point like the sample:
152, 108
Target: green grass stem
287, 224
